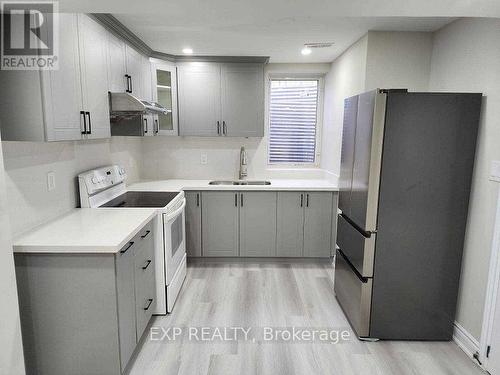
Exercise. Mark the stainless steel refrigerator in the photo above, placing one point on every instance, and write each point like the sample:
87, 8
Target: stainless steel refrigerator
406, 170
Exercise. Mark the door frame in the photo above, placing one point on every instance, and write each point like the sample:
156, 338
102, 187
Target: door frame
493, 285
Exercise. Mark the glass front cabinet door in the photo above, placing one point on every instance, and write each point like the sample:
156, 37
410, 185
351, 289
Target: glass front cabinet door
165, 93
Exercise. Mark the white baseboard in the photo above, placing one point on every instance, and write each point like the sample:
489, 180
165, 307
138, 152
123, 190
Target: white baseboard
465, 341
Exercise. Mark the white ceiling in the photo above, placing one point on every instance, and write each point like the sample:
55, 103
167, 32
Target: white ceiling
275, 28
281, 38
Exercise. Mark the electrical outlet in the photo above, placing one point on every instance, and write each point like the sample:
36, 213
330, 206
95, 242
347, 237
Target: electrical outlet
204, 159
51, 181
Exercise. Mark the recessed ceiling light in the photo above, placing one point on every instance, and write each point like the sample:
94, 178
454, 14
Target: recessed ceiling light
306, 51
187, 51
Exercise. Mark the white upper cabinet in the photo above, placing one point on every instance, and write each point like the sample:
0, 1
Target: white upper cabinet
135, 71
199, 99
164, 82
61, 89
94, 55
242, 89
221, 99
146, 80
117, 66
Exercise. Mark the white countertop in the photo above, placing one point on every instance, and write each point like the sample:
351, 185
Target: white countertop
278, 184
85, 230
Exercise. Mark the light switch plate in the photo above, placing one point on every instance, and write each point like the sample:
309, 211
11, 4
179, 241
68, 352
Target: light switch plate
51, 181
204, 158
495, 170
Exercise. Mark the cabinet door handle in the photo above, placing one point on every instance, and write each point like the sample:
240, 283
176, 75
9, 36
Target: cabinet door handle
147, 264
130, 244
197, 199
241, 199
301, 200
148, 305
224, 128
307, 200
145, 235
128, 84
236, 200
84, 131
145, 125
90, 124
218, 127
157, 130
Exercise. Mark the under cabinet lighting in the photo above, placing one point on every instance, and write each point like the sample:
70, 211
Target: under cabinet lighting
187, 51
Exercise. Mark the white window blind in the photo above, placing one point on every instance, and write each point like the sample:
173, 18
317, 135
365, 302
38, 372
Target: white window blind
292, 115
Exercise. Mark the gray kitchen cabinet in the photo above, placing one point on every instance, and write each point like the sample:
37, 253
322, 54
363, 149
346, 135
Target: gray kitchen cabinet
221, 99
135, 71
199, 99
220, 223
305, 224
79, 312
94, 60
125, 288
317, 224
290, 224
242, 100
193, 223
257, 224
117, 65
69, 103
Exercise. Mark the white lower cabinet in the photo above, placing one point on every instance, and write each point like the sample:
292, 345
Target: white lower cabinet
85, 313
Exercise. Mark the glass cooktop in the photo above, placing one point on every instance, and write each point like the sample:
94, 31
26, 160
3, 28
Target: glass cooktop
146, 199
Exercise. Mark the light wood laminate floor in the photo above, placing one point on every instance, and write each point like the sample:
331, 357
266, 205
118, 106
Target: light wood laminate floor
279, 295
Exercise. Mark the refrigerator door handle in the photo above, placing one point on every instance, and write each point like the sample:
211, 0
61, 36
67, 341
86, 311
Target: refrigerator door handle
353, 269
355, 226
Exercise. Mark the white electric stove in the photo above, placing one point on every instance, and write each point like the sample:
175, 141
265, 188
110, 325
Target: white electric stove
106, 187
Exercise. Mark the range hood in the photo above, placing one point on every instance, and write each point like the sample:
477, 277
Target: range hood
125, 104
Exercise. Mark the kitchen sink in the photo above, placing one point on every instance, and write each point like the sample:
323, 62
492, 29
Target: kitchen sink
239, 183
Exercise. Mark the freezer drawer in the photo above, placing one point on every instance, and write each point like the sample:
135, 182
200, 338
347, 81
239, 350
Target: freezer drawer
359, 249
354, 294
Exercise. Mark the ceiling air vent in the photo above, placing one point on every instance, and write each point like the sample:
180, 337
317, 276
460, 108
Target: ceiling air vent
318, 45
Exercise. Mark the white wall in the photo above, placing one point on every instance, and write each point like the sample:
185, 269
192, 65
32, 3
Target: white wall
11, 353
346, 78
179, 157
27, 164
398, 60
378, 60
466, 57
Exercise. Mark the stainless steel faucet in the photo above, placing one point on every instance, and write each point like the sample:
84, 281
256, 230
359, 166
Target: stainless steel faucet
243, 163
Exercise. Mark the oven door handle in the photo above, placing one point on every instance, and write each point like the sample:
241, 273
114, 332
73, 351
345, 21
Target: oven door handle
174, 214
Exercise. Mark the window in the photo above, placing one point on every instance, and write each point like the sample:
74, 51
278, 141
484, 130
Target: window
292, 121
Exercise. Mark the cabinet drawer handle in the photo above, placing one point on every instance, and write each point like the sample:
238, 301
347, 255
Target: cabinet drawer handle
130, 244
147, 264
241, 200
198, 200
236, 200
224, 129
150, 301
84, 131
307, 200
147, 232
301, 200
218, 127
